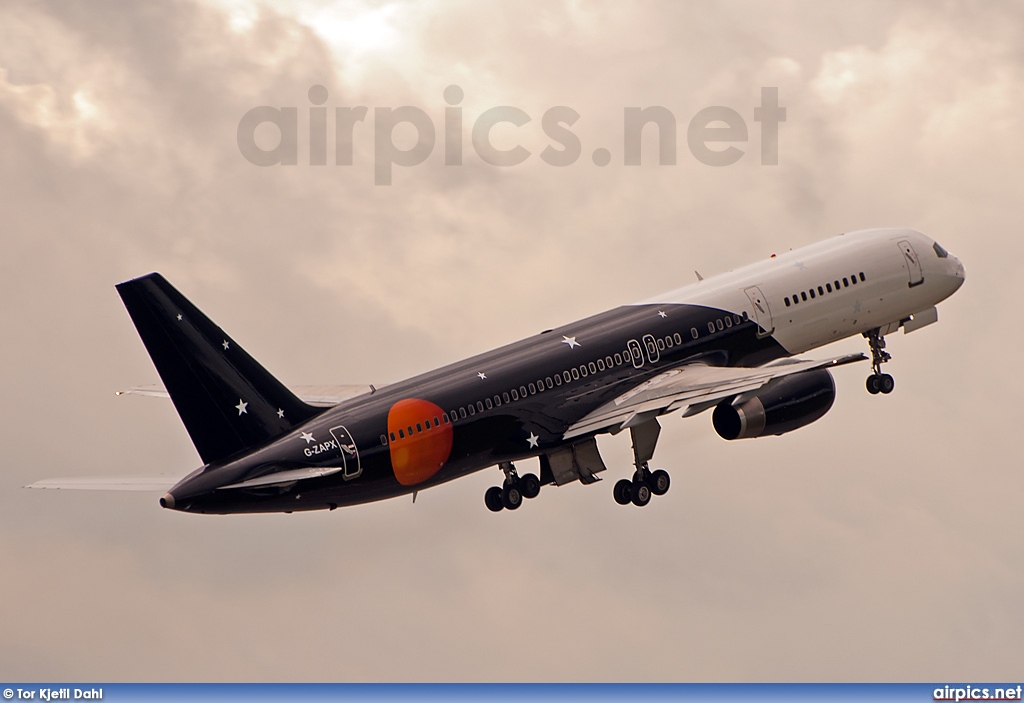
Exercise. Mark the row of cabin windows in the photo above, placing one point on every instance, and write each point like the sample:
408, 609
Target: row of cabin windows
574, 374
532, 388
822, 290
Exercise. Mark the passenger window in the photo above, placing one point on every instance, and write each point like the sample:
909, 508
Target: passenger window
661, 345
600, 364
419, 426
737, 318
821, 291
728, 321
497, 401
444, 418
472, 410
515, 394
575, 374
592, 366
618, 358
533, 389
566, 376
861, 275
796, 299
803, 296
812, 293
462, 413
548, 382
409, 429
828, 287
436, 423
694, 333
488, 403
853, 279
669, 343
392, 436
787, 301
745, 316
846, 283
711, 327
401, 433
384, 440
608, 362
540, 385
522, 391
678, 337
837, 286
583, 370
479, 406
718, 322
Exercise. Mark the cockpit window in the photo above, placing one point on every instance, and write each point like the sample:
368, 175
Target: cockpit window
939, 251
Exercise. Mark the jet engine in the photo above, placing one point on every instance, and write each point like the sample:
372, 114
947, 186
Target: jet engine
783, 405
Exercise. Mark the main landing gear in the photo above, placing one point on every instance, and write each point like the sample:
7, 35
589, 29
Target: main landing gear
512, 491
878, 382
645, 483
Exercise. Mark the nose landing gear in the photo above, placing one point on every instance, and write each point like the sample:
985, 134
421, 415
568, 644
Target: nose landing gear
878, 382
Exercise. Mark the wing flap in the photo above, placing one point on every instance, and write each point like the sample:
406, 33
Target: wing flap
693, 386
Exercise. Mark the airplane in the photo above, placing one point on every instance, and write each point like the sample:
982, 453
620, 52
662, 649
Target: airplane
725, 344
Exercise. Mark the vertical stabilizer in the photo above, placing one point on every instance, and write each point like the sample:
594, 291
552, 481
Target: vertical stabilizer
226, 400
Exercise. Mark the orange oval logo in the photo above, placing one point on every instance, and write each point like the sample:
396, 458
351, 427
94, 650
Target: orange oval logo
419, 449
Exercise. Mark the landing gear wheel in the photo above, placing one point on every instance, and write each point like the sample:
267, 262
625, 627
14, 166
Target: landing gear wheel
511, 497
660, 481
874, 384
886, 383
623, 492
529, 485
641, 494
492, 499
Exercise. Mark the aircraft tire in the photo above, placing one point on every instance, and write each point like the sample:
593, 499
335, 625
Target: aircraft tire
511, 497
529, 485
873, 384
886, 383
623, 492
660, 482
492, 499
641, 494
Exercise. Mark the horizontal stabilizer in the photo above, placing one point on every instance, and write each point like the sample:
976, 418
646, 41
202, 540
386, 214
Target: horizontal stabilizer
281, 477
161, 482
320, 396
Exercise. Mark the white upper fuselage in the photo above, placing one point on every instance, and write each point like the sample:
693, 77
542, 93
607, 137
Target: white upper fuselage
892, 290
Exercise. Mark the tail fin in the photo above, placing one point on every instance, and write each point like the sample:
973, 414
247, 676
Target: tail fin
227, 401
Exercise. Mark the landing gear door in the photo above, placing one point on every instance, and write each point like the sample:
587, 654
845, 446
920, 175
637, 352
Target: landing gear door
349, 453
762, 313
912, 262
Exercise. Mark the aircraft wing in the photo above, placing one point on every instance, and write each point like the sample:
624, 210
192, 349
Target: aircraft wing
160, 482
695, 387
322, 396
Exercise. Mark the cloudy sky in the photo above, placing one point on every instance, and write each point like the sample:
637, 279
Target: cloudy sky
884, 542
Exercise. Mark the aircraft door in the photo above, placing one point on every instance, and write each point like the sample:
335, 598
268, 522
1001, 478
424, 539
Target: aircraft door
762, 313
913, 263
349, 453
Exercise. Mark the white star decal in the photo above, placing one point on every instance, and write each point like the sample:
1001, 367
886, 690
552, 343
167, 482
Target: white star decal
800, 265
280, 413
179, 317
571, 341
856, 306
225, 345
662, 314
481, 375
532, 440
308, 436
242, 405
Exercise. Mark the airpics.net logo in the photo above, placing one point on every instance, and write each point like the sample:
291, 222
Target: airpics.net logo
711, 134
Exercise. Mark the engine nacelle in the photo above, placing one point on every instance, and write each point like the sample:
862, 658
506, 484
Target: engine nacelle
783, 405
